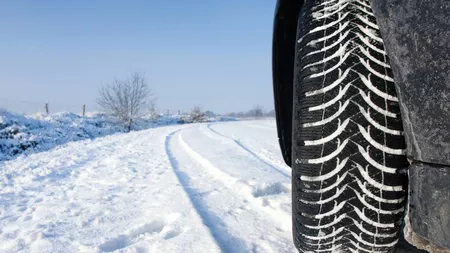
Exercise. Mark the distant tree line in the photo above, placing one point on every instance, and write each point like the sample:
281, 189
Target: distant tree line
257, 112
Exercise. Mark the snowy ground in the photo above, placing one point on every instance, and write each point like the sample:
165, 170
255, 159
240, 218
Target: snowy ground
28, 134
187, 188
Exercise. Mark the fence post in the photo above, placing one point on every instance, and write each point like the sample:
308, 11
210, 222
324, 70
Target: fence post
46, 108
84, 110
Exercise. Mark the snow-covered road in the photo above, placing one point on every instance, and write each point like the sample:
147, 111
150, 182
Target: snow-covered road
220, 187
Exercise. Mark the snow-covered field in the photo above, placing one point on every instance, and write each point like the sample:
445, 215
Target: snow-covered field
28, 134
186, 188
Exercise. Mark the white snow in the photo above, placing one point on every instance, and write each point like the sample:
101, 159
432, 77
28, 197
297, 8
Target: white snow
27, 134
214, 187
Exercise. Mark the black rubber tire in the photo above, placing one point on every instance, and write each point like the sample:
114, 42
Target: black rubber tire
348, 180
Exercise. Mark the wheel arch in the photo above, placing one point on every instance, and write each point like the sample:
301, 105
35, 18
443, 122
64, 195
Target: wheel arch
283, 54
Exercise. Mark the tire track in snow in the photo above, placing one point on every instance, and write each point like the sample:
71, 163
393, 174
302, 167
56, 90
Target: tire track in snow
258, 157
238, 187
225, 241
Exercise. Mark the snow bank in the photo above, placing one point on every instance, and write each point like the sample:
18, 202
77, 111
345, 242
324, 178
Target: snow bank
26, 134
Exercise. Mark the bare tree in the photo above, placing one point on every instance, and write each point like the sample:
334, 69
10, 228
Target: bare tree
152, 113
194, 116
197, 115
257, 111
210, 114
125, 99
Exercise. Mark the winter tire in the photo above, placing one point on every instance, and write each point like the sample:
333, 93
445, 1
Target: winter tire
348, 150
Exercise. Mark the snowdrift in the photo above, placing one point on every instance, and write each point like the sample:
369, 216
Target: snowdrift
27, 134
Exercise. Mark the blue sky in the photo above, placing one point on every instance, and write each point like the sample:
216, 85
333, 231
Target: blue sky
215, 53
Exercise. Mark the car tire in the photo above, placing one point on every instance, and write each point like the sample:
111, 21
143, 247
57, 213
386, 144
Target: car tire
349, 179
